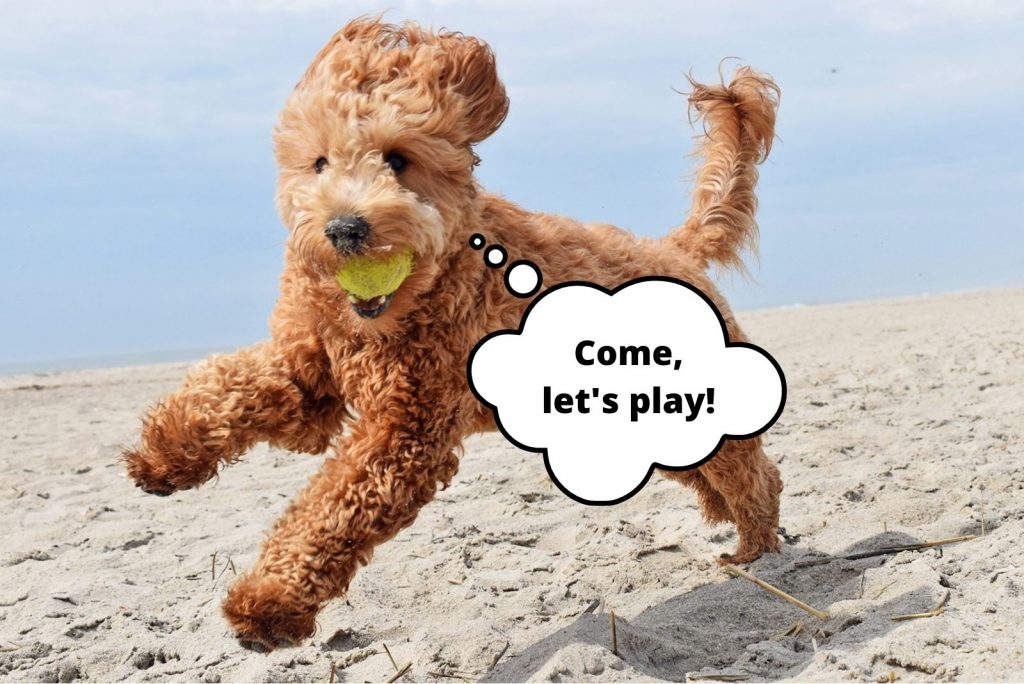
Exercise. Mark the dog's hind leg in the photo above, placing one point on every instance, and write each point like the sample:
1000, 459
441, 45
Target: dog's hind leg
386, 470
226, 405
750, 486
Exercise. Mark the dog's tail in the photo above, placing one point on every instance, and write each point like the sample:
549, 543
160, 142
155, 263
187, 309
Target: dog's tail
739, 126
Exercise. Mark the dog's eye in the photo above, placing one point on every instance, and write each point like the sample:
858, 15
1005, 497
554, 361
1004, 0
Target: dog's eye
396, 161
320, 164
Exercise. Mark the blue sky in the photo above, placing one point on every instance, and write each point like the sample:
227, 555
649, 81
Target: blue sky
137, 179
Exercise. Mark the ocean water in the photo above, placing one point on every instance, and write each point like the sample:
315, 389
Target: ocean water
111, 361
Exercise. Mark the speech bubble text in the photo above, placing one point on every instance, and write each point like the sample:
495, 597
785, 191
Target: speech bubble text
609, 384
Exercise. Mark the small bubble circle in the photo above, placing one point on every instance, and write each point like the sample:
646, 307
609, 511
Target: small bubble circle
477, 241
495, 256
523, 278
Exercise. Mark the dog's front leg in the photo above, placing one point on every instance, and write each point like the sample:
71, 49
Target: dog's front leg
226, 405
386, 470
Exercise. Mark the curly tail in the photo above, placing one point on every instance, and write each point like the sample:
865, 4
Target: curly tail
739, 126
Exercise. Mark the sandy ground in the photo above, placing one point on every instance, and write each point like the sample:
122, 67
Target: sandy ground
903, 424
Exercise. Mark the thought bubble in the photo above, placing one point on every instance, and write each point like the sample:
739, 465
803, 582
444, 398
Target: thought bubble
609, 384
522, 277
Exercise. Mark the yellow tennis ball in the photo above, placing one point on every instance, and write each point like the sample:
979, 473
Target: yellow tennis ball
369, 276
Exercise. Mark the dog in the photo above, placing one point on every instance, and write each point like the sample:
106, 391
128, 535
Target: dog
375, 148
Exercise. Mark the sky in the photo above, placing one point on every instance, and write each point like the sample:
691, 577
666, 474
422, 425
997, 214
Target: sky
137, 177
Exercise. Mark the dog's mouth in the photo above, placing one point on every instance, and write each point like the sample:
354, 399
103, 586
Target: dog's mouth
371, 280
370, 308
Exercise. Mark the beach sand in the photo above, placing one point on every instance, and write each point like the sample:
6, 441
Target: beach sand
903, 424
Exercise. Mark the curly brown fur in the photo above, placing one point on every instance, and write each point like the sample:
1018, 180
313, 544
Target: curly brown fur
373, 91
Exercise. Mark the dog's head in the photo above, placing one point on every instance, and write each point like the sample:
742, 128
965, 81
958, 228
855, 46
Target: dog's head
375, 152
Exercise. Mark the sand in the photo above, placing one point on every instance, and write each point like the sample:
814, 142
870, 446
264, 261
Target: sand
903, 424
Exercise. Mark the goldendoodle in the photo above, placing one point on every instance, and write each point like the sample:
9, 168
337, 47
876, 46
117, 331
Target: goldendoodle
376, 151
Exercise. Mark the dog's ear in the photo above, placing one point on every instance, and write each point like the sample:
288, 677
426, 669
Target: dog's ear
366, 29
463, 65
469, 71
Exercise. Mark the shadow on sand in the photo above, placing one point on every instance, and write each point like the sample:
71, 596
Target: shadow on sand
734, 623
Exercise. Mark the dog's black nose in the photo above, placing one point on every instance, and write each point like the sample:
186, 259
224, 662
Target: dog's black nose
347, 233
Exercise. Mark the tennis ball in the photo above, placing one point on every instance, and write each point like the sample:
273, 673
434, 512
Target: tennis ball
367, 277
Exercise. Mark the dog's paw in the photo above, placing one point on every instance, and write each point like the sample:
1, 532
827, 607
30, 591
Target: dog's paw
166, 472
748, 553
264, 617
738, 558
150, 478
